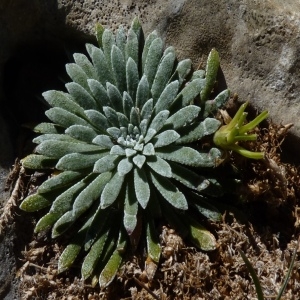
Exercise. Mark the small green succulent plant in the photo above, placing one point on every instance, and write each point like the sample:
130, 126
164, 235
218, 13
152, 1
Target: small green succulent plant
122, 150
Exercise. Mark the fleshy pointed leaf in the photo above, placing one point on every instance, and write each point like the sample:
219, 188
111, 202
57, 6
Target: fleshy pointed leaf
160, 166
167, 97
99, 93
106, 163
115, 97
34, 161
111, 116
84, 63
163, 74
92, 192
152, 60
118, 68
78, 161
77, 75
111, 190
141, 187
143, 92
132, 46
183, 117
59, 181
165, 138
130, 209
104, 141
169, 191
189, 156
124, 166
81, 133
150, 38
197, 131
97, 119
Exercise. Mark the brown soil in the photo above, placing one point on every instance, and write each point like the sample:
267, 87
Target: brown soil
265, 226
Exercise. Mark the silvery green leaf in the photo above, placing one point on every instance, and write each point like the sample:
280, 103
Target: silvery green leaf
144, 126
77, 75
127, 104
141, 187
132, 77
200, 236
54, 137
99, 29
94, 255
163, 74
135, 116
101, 222
188, 156
64, 201
139, 160
101, 66
212, 67
137, 28
197, 131
138, 147
106, 163
111, 116
57, 149
115, 97
121, 38
117, 150
118, 68
71, 252
48, 128
211, 106
183, 117
111, 268
130, 152
130, 209
132, 46
111, 190
114, 132
165, 138
188, 94
99, 93
82, 61
198, 74
64, 118
36, 202
90, 194
34, 161
160, 166
63, 224
152, 60
97, 119
148, 149
143, 92
169, 191
167, 97
159, 120
183, 69
188, 178
46, 222
108, 41
59, 181
147, 109
64, 101
123, 120
150, 38
104, 141
153, 246
81, 133
79, 161
150, 134
124, 166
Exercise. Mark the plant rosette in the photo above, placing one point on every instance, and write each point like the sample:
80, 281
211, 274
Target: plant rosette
121, 149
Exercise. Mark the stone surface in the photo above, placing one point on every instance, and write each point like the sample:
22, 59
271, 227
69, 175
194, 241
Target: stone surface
258, 41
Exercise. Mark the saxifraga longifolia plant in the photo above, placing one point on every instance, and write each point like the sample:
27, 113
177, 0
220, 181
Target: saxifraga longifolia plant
121, 150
